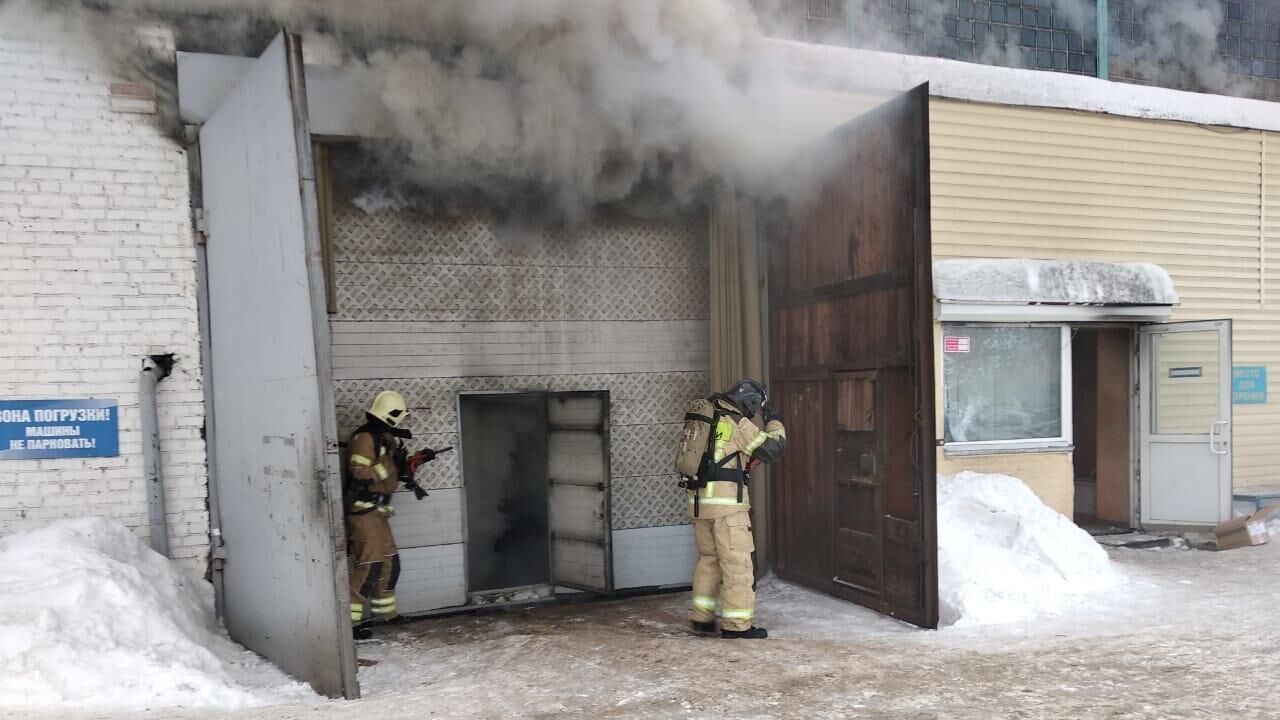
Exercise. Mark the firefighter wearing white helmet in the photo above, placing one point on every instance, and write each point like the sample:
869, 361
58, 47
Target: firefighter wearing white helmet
377, 465
721, 441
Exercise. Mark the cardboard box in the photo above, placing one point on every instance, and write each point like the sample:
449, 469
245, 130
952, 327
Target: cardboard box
1245, 531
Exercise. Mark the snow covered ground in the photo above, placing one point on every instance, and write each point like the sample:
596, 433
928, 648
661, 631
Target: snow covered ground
1183, 634
90, 616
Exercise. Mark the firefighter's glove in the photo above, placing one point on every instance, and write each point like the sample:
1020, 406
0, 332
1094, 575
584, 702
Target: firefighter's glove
771, 413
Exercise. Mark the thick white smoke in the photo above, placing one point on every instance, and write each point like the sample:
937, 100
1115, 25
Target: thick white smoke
580, 101
1178, 46
584, 101
590, 99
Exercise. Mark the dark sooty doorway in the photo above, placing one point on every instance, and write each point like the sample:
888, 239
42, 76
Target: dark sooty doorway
504, 461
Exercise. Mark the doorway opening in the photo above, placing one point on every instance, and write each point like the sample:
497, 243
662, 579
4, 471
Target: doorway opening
1102, 380
504, 458
535, 469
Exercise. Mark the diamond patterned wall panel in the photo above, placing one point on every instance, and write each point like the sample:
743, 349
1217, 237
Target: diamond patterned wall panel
638, 450
648, 501
645, 417
410, 237
637, 399
403, 265
459, 293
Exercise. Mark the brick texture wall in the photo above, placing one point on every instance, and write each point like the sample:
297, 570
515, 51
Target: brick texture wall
97, 271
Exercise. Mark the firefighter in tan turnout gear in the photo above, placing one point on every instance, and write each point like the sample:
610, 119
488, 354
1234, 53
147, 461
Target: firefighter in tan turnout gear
720, 442
377, 465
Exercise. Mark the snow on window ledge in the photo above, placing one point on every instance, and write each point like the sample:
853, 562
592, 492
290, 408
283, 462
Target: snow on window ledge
1010, 447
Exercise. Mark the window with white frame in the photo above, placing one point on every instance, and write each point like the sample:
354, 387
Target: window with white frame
1006, 386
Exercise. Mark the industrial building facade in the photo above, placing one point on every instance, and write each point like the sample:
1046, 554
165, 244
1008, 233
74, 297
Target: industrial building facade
578, 351
456, 313
1196, 200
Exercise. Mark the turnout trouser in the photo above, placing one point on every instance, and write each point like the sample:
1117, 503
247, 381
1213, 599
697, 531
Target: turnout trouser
375, 566
724, 570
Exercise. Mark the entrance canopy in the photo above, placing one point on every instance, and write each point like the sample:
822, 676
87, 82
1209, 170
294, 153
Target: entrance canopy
1051, 291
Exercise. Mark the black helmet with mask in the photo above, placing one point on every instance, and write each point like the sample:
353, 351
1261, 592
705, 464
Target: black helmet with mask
749, 395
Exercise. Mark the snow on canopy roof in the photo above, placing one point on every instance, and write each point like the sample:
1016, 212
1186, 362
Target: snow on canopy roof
1052, 282
846, 68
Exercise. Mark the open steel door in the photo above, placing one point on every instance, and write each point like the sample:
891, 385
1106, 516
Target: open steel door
275, 440
578, 497
852, 368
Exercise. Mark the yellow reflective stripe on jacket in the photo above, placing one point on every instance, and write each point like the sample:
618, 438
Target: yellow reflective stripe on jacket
764, 436
381, 471
702, 602
361, 460
362, 505
724, 433
737, 614
718, 501
709, 491
386, 509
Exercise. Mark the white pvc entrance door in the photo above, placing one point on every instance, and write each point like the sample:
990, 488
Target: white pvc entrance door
1185, 419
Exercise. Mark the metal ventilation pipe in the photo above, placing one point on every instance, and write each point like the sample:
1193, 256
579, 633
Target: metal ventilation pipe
154, 369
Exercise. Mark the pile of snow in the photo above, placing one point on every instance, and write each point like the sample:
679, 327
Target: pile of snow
1004, 556
92, 617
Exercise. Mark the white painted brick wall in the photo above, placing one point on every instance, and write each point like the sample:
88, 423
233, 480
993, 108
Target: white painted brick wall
97, 270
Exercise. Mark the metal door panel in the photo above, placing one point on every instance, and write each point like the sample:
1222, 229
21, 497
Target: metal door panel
284, 576
851, 358
578, 497
1185, 424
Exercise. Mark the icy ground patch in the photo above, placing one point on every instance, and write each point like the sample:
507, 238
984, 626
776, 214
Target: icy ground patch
1006, 557
91, 617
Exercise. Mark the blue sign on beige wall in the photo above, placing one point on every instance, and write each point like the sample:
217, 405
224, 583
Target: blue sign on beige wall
38, 429
1249, 385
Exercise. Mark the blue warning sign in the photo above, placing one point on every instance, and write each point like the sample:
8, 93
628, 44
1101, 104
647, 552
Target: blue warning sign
41, 429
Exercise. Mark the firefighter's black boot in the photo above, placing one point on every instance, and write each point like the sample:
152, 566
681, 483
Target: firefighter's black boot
703, 627
361, 632
753, 633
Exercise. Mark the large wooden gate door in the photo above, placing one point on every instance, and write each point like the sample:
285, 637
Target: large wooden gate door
851, 362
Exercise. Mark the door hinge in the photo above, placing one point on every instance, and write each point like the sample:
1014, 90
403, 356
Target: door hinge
202, 226
217, 550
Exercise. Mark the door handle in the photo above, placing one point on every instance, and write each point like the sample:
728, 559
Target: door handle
1213, 439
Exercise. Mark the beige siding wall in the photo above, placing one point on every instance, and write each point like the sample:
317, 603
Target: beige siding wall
1048, 474
1202, 202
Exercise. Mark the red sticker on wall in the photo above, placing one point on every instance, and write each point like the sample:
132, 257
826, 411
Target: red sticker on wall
955, 344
